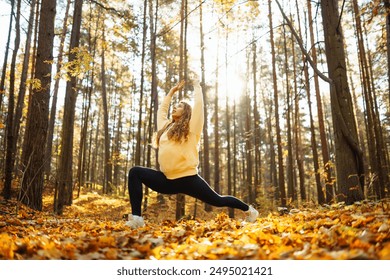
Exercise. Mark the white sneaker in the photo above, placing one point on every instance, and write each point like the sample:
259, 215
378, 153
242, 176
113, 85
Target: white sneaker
135, 221
252, 214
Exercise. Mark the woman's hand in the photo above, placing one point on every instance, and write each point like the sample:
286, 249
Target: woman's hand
177, 87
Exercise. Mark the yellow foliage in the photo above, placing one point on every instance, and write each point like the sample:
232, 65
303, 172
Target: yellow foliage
93, 228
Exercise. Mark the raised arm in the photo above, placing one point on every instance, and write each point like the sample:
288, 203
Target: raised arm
162, 112
197, 117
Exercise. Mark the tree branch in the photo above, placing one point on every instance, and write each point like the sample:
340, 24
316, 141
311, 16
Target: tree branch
300, 43
121, 14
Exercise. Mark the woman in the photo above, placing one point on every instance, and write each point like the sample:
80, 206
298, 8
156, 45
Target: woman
178, 142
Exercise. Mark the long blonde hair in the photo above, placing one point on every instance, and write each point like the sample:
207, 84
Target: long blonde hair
180, 128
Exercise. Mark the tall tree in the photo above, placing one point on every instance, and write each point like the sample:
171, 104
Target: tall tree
37, 121
228, 125
387, 12
4, 70
206, 146
11, 138
141, 97
107, 182
349, 156
53, 108
180, 198
63, 194
320, 115
217, 176
256, 124
297, 119
291, 193
23, 80
377, 150
281, 186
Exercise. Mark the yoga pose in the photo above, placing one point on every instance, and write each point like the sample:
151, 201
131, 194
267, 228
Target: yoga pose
178, 143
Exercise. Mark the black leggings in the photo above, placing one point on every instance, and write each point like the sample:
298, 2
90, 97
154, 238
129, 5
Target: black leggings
193, 186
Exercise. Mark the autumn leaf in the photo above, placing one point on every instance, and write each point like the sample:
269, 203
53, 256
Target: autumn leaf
94, 228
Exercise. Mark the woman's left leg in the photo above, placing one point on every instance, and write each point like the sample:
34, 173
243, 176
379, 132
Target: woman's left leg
197, 187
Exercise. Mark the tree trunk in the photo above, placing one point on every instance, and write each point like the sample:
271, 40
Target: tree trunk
65, 174
4, 70
206, 146
297, 123
217, 177
329, 184
11, 137
349, 157
228, 124
387, 12
53, 108
139, 126
256, 126
290, 174
248, 147
377, 150
320, 193
107, 183
37, 123
22, 87
235, 152
180, 198
280, 188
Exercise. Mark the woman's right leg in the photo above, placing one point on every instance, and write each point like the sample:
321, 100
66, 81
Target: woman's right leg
151, 178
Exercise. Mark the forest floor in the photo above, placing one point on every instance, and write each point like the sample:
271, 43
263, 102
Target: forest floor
94, 228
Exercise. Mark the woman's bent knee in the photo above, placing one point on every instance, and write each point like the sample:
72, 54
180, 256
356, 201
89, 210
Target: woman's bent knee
134, 171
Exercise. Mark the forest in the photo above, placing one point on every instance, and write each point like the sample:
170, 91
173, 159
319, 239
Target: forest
297, 107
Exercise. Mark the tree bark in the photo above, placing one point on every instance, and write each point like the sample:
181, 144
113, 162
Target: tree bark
65, 174
281, 186
11, 137
4, 70
329, 184
53, 108
107, 182
38, 112
349, 157
206, 146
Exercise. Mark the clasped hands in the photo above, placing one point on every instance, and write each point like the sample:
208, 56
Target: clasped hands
181, 84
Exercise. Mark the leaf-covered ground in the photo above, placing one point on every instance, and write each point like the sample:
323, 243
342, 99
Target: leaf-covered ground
94, 228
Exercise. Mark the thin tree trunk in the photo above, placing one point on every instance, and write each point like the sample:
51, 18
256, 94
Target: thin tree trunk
256, 126
4, 70
107, 183
281, 187
228, 124
180, 198
22, 87
217, 177
387, 7
53, 109
297, 123
248, 136
10, 136
206, 146
290, 174
139, 127
248, 147
235, 163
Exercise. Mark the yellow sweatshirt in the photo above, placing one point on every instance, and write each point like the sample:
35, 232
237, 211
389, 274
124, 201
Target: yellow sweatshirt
181, 159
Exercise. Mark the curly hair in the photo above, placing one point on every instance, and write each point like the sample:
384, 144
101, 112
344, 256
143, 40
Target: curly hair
180, 128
